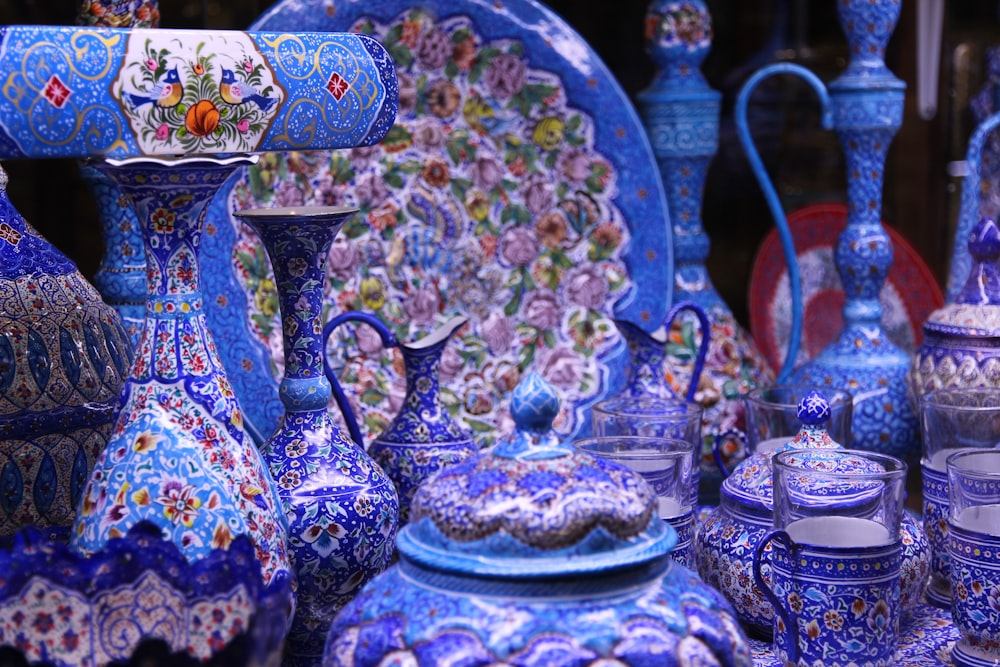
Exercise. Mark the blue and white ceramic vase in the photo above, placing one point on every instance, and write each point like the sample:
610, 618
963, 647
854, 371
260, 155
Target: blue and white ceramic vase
531, 553
422, 438
866, 103
681, 115
341, 508
179, 455
63, 360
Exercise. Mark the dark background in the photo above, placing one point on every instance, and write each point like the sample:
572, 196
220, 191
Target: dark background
920, 199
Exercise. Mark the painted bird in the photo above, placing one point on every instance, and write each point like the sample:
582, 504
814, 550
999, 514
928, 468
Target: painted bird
235, 92
166, 93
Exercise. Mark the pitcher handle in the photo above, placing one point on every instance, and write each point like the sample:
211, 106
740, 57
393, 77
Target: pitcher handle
758, 577
388, 340
706, 339
771, 195
717, 448
968, 211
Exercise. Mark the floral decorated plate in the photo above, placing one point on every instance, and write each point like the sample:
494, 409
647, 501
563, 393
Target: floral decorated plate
517, 188
909, 296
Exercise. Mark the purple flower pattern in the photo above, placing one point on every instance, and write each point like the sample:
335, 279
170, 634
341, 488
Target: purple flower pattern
485, 146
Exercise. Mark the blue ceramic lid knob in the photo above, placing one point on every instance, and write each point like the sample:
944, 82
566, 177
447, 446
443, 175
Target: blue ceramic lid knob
534, 404
814, 409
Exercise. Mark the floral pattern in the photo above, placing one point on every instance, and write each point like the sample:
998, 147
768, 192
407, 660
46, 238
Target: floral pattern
486, 199
218, 96
975, 573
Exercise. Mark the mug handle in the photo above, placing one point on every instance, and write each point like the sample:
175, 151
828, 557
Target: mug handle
758, 576
717, 448
388, 340
706, 340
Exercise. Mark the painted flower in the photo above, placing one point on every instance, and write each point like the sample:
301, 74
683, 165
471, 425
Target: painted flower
879, 617
506, 75
563, 368
247, 66
451, 363
486, 172
464, 53
993, 598
163, 132
519, 246
368, 340
407, 94
812, 629
202, 118
607, 237
288, 194
291, 479
833, 619
363, 505
477, 204
795, 602
497, 331
180, 502
433, 49
422, 305
541, 309
443, 99
537, 193
324, 536
372, 293
198, 68
297, 267
574, 164
150, 63
587, 286
429, 135
243, 125
436, 172
370, 190
163, 221
551, 229
343, 259
296, 448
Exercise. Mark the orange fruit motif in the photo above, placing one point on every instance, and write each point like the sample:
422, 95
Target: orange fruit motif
202, 118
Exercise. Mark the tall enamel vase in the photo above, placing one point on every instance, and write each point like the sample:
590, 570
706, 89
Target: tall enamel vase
341, 508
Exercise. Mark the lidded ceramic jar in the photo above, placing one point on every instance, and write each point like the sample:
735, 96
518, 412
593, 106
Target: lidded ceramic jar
725, 543
961, 346
532, 552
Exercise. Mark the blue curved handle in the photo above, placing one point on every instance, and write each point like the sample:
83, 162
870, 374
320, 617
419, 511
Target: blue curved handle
758, 577
706, 339
388, 340
717, 452
787, 245
968, 212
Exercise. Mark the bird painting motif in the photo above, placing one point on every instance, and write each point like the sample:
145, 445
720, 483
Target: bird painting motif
166, 93
235, 92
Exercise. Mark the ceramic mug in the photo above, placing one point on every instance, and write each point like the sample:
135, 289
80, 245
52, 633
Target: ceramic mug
831, 567
974, 553
669, 465
951, 420
652, 417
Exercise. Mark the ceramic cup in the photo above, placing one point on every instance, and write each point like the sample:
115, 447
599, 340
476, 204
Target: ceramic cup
974, 552
668, 464
649, 416
951, 420
773, 419
834, 557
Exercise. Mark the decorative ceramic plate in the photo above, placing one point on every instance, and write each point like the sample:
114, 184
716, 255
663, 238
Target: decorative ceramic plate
925, 640
516, 188
909, 296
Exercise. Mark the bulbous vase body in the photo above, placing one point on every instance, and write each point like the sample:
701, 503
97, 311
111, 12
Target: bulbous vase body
63, 360
179, 455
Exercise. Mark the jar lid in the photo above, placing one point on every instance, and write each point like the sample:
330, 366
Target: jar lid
976, 310
534, 507
751, 484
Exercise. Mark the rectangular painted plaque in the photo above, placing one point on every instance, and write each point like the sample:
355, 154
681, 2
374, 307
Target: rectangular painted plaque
79, 92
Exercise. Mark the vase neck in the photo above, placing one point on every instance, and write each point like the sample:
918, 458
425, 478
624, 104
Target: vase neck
169, 200
298, 246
